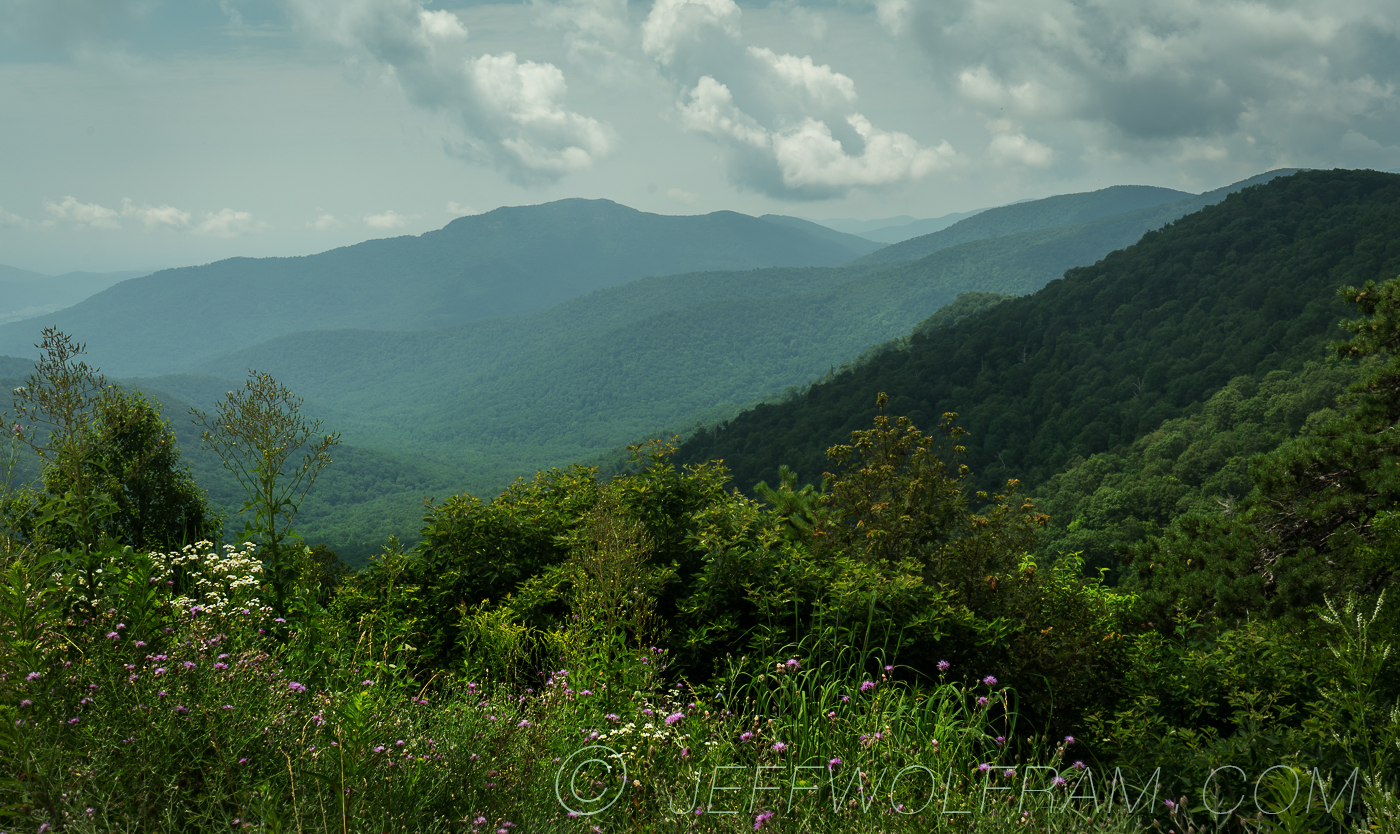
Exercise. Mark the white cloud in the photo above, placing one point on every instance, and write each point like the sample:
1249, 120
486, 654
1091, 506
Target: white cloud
83, 215
673, 25
156, 217
1016, 149
686, 197
325, 223
790, 126
388, 220
822, 87
811, 158
8, 220
227, 223
511, 112
456, 209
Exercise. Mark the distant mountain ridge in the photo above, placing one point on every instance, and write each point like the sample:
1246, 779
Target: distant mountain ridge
24, 294
506, 262
1051, 212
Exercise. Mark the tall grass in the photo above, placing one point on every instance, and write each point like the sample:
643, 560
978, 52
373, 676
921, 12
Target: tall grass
131, 705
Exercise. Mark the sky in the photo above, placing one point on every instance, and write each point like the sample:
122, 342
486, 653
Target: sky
140, 134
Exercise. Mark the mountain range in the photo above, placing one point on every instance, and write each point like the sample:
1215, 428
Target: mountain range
428, 409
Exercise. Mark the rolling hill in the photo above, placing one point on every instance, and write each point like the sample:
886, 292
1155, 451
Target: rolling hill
507, 262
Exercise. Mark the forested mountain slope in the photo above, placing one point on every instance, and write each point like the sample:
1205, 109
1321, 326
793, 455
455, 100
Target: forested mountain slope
1107, 354
506, 262
505, 397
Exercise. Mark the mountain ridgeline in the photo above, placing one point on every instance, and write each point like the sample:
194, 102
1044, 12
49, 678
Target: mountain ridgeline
1105, 355
507, 262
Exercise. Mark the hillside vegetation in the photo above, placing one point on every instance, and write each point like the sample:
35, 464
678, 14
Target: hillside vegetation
1104, 356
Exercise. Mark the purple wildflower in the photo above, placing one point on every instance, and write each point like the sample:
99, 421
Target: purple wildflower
866, 686
943, 665
674, 717
296, 687
989, 681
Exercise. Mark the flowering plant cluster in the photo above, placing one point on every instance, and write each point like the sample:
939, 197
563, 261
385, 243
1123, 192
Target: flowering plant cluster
212, 582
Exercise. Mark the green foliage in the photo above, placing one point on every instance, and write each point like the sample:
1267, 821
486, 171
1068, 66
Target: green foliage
1104, 356
1321, 521
111, 464
1198, 464
257, 433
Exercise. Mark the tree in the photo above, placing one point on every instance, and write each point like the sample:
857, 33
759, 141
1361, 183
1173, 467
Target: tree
111, 466
134, 462
257, 433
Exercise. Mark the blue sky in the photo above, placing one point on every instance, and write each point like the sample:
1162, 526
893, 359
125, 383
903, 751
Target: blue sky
150, 133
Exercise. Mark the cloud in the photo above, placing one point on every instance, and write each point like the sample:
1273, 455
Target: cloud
156, 217
510, 111
227, 223
8, 220
458, 210
686, 197
388, 220
1015, 149
790, 126
1173, 78
596, 34
325, 223
83, 215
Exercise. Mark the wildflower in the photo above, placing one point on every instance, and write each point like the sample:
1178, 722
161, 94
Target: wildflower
989, 681
1058, 781
399, 743
380, 749
685, 752
160, 670
1009, 772
189, 664
759, 820
523, 723
845, 699
982, 701
1069, 740
1001, 740
793, 665
479, 821
140, 644
866, 686
612, 717
279, 620
317, 720
227, 706
984, 767
221, 666
112, 635
746, 736
243, 761
182, 709
366, 683
72, 721
586, 692
121, 626
674, 717
26, 703
831, 714
1171, 806
833, 764
889, 668
1078, 765
296, 687
779, 747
